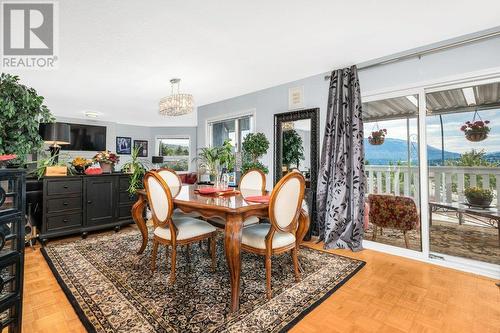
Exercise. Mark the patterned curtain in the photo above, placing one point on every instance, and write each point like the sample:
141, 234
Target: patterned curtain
341, 180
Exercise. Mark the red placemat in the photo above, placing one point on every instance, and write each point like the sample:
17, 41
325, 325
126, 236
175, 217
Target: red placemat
258, 198
207, 190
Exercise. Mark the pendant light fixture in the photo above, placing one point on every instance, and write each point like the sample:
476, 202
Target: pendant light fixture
176, 104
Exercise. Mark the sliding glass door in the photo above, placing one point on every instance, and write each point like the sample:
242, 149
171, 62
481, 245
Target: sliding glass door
392, 170
463, 135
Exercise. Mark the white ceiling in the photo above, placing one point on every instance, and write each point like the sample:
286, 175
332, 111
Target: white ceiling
116, 57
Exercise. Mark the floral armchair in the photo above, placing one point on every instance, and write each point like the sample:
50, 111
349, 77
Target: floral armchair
396, 212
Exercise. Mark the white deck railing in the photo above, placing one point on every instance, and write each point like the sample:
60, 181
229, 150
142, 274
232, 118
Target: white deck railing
446, 183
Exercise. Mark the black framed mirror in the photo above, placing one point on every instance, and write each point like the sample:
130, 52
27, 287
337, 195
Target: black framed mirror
296, 146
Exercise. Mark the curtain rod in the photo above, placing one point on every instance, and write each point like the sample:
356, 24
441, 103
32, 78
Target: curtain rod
452, 43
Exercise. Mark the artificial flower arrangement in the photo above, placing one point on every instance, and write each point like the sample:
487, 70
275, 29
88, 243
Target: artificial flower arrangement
107, 160
377, 137
476, 130
478, 196
81, 163
106, 157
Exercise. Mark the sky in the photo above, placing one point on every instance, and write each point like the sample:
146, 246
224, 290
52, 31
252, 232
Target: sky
454, 139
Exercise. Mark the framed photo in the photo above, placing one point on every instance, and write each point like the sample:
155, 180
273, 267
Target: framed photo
142, 145
123, 145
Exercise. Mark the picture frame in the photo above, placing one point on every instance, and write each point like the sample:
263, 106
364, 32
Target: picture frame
123, 145
143, 147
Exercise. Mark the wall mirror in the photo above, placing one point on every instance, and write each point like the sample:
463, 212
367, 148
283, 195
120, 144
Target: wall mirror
296, 140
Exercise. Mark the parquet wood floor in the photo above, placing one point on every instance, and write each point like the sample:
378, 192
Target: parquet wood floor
390, 294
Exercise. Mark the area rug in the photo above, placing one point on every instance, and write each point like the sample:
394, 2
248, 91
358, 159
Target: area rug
113, 290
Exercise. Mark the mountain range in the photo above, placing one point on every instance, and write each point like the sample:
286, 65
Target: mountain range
394, 150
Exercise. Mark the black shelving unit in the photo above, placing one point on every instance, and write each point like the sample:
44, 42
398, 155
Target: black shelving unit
12, 220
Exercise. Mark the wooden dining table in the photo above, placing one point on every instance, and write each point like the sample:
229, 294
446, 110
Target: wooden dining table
232, 208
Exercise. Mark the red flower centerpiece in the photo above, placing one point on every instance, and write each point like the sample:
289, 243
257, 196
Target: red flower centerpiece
476, 130
4, 159
106, 160
377, 138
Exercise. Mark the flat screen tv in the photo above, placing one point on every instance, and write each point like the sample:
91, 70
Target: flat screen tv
86, 137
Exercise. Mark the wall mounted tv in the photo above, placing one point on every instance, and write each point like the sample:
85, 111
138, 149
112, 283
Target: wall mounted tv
86, 137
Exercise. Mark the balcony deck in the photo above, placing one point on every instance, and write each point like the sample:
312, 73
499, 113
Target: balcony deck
465, 236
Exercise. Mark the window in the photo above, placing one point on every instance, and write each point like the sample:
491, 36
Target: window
175, 152
234, 129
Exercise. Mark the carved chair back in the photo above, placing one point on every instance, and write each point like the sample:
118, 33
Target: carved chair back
159, 199
253, 179
286, 201
170, 177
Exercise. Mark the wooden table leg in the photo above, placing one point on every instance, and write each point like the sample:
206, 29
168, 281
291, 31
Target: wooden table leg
232, 245
138, 216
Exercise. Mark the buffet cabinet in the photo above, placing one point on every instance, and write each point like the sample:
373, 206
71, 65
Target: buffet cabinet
79, 204
12, 219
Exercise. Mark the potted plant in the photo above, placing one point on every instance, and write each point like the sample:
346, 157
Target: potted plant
50, 165
21, 112
81, 164
137, 169
293, 149
476, 131
209, 159
106, 160
377, 137
254, 146
478, 196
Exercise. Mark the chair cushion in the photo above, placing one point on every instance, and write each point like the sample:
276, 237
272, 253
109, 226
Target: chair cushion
249, 220
187, 228
255, 236
180, 213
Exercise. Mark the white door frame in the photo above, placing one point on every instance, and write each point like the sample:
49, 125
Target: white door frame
460, 81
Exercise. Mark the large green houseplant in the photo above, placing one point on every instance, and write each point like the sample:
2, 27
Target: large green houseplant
214, 159
137, 168
21, 112
254, 147
293, 149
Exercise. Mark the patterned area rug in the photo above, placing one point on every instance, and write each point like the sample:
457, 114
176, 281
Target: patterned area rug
113, 290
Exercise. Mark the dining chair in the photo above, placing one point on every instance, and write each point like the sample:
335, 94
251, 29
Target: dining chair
174, 181
279, 235
173, 230
252, 180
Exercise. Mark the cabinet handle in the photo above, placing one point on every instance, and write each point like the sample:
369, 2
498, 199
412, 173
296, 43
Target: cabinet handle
65, 220
89, 202
65, 203
65, 186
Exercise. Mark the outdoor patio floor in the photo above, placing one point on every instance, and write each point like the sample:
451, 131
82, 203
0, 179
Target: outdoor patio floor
465, 241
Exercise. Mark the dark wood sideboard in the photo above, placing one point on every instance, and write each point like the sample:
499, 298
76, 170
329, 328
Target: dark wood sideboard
79, 204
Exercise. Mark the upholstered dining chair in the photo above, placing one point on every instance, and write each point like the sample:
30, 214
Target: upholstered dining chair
252, 180
173, 230
393, 211
174, 181
279, 235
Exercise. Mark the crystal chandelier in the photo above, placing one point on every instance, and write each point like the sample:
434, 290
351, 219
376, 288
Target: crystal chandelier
176, 104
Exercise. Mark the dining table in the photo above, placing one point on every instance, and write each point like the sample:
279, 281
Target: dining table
232, 207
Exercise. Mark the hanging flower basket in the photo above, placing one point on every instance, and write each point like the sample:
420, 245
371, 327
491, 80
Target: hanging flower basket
378, 137
476, 130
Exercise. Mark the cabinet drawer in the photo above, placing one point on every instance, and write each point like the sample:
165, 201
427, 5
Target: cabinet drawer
125, 197
124, 183
62, 204
64, 221
63, 186
125, 212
